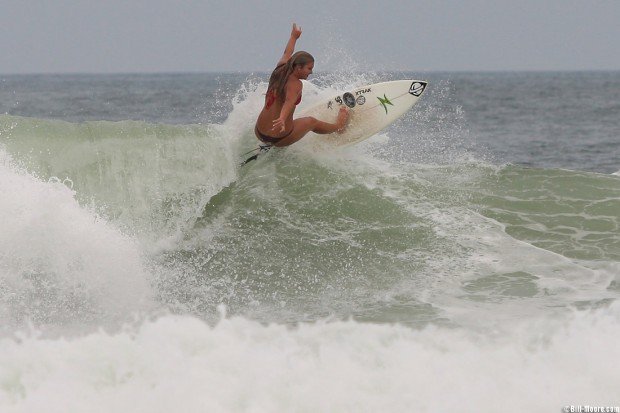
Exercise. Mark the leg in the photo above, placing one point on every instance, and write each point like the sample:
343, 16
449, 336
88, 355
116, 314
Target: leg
302, 126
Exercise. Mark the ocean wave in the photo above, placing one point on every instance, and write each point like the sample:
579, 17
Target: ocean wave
60, 263
304, 233
150, 179
180, 362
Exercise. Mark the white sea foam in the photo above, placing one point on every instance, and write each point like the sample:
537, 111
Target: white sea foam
182, 364
58, 261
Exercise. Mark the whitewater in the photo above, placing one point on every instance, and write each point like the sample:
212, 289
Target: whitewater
460, 259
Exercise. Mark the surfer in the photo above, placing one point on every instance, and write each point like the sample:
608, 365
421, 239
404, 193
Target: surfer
275, 124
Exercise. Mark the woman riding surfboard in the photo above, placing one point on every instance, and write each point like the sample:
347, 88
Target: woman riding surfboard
275, 124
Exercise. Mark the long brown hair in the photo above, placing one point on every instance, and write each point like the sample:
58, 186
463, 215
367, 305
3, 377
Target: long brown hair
279, 77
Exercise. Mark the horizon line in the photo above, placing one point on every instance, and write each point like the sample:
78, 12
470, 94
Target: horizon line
247, 72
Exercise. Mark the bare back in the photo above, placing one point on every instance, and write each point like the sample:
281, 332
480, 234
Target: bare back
272, 110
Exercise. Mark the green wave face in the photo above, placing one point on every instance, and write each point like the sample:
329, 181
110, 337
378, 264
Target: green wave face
302, 235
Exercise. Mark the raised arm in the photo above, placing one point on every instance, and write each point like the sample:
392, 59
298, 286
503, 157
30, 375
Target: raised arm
290, 46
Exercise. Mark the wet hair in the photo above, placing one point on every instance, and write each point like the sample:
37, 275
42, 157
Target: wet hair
279, 77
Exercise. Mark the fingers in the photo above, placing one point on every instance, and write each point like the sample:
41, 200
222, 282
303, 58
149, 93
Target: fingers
296, 29
278, 125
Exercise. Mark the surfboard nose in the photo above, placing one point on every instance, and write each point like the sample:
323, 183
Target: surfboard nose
417, 87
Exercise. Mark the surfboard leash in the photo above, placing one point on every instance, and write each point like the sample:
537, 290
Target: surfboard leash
261, 149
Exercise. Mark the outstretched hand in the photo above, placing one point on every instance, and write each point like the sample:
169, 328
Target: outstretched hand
296, 32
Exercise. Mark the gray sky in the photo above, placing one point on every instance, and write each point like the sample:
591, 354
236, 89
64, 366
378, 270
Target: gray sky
104, 36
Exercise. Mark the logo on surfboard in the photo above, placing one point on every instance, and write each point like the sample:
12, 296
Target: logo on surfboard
349, 99
417, 88
384, 102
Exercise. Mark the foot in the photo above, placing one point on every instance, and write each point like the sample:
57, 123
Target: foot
343, 118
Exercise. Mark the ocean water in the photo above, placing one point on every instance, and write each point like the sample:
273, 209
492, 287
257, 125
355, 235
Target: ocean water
466, 258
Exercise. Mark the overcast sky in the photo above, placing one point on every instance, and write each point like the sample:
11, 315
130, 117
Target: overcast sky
105, 36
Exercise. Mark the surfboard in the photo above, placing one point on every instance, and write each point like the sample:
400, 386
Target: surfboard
371, 109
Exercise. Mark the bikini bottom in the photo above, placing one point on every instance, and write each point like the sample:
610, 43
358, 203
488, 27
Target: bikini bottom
270, 139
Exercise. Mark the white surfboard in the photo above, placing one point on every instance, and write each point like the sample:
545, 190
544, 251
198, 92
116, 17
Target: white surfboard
371, 109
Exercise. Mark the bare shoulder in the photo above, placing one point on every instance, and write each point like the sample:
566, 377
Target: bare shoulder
294, 86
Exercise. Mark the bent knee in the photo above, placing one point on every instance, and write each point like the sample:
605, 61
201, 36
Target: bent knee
307, 123
312, 121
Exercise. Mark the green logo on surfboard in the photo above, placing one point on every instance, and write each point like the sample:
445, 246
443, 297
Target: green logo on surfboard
384, 102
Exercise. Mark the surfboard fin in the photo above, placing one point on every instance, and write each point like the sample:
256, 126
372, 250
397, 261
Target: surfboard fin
261, 149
